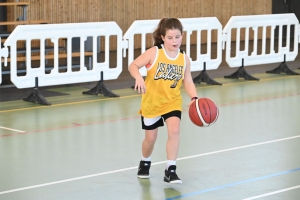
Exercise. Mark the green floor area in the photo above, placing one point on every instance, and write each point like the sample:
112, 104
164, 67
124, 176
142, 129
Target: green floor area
88, 147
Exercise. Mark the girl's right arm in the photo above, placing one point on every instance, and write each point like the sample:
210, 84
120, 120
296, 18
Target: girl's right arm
141, 61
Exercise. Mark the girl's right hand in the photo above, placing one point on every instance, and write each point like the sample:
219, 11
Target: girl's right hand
140, 85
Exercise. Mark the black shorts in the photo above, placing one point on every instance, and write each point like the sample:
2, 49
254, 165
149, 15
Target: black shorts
160, 122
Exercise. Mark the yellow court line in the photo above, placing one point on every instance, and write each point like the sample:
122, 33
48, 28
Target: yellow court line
130, 96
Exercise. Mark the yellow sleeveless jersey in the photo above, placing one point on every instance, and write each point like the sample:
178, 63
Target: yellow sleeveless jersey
163, 83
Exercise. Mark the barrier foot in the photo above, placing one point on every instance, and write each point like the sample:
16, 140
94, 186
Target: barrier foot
36, 97
282, 68
100, 88
204, 77
242, 73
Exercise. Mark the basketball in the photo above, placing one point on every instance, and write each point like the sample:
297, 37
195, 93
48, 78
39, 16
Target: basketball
203, 112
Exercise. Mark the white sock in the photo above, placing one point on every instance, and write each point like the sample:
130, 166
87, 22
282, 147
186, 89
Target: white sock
170, 162
146, 159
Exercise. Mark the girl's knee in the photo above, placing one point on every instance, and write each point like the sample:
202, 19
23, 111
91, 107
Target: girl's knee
173, 132
150, 139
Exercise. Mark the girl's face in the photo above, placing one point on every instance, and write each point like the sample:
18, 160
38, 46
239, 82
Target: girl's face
172, 39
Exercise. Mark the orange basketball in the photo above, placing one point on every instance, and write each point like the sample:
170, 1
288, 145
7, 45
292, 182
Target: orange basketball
203, 112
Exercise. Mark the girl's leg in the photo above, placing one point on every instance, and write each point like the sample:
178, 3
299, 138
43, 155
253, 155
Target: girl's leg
147, 148
148, 142
173, 124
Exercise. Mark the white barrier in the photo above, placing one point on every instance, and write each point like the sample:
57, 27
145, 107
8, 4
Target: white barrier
56, 32
204, 24
254, 22
208, 24
138, 27
144, 27
3, 54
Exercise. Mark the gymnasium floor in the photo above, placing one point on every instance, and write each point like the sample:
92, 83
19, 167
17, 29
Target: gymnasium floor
88, 147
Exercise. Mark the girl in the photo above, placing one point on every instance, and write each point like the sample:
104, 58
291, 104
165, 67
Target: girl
167, 67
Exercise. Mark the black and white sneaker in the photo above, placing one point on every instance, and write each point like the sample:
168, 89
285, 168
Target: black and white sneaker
144, 169
171, 176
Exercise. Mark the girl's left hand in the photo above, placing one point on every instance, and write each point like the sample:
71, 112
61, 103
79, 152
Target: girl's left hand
191, 103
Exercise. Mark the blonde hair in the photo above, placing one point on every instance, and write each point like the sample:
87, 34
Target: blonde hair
164, 25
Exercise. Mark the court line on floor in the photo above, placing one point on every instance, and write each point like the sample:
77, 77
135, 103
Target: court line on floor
73, 125
234, 184
129, 118
272, 193
134, 95
10, 129
240, 147
156, 163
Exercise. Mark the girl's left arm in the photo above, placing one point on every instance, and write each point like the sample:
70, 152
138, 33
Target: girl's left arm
188, 81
